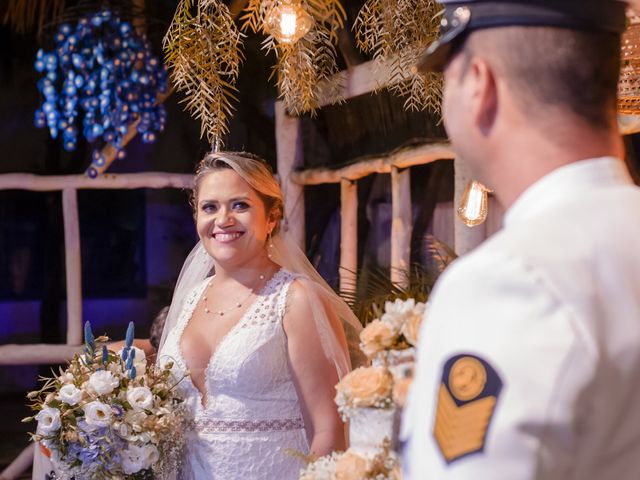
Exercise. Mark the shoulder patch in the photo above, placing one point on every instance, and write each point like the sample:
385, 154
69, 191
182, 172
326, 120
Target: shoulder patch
467, 398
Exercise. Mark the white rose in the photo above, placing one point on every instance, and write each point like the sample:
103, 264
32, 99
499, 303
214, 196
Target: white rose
103, 382
399, 306
139, 360
70, 394
48, 420
140, 398
137, 458
132, 460
97, 414
393, 319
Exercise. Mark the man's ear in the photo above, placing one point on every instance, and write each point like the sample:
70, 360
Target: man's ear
484, 94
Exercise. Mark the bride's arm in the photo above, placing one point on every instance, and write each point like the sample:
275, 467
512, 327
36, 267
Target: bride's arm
314, 374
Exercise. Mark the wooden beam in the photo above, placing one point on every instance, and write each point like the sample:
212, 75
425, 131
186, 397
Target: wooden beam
348, 234
73, 264
402, 159
364, 78
37, 354
401, 225
28, 181
289, 153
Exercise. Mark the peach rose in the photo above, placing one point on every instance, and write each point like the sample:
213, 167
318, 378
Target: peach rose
365, 386
351, 466
376, 337
411, 328
401, 390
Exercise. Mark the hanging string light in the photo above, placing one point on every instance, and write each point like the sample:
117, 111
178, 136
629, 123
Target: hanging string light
474, 204
288, 21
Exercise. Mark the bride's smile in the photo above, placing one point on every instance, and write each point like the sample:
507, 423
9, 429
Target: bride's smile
226, 237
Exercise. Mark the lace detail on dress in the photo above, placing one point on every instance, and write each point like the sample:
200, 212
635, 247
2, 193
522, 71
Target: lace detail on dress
281, 304
212, 425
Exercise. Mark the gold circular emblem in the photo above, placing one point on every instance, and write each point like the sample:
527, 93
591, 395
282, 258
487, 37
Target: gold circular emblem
467, 378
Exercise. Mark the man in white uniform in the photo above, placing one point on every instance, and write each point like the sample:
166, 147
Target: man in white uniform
529, 357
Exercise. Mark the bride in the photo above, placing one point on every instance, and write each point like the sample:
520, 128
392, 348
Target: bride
258, 338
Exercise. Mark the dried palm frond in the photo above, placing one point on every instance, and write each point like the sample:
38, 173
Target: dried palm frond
24, 15
395, 32
374, 287
301, 66
203, 53
438, 253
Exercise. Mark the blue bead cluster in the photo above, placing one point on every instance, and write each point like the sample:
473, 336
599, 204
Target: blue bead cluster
104, 74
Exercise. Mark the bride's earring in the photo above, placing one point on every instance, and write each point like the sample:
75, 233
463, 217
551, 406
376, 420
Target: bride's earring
269, 245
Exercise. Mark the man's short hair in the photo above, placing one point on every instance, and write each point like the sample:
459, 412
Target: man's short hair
570, 70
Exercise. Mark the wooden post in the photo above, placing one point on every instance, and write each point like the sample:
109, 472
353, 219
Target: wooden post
289, 153
348, 234
20, 464
401, 225
73, 265
465, 238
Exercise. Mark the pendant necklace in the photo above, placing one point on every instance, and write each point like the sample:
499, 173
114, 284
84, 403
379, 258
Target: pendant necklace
237, 305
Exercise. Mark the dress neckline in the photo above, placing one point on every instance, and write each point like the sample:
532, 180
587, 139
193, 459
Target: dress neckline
260, 298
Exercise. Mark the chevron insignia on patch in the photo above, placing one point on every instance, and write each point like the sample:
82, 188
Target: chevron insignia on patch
466, 402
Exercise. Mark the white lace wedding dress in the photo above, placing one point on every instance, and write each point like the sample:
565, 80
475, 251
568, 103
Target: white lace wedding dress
252, 414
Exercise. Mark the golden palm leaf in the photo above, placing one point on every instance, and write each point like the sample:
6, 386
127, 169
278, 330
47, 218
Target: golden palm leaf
204, 55
395, 32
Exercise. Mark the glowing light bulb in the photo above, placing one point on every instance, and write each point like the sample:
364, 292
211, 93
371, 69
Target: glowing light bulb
288, 25
474, 204
288, 21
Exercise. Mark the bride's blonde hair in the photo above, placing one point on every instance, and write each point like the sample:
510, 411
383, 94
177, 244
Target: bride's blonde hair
253, 170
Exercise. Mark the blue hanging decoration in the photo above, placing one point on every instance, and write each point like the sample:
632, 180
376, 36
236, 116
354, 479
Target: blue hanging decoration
103, 74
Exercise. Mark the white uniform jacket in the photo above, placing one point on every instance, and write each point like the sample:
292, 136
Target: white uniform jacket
529, 357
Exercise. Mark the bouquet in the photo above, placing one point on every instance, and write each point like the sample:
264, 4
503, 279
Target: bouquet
396, 329
110, 415
351, 465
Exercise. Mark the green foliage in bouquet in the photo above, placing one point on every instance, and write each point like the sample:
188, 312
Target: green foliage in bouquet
110, 415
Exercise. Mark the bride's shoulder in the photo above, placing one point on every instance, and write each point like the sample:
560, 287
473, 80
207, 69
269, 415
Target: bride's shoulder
302, 293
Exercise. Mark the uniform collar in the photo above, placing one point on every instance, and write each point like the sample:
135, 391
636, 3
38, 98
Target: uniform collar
564, 182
